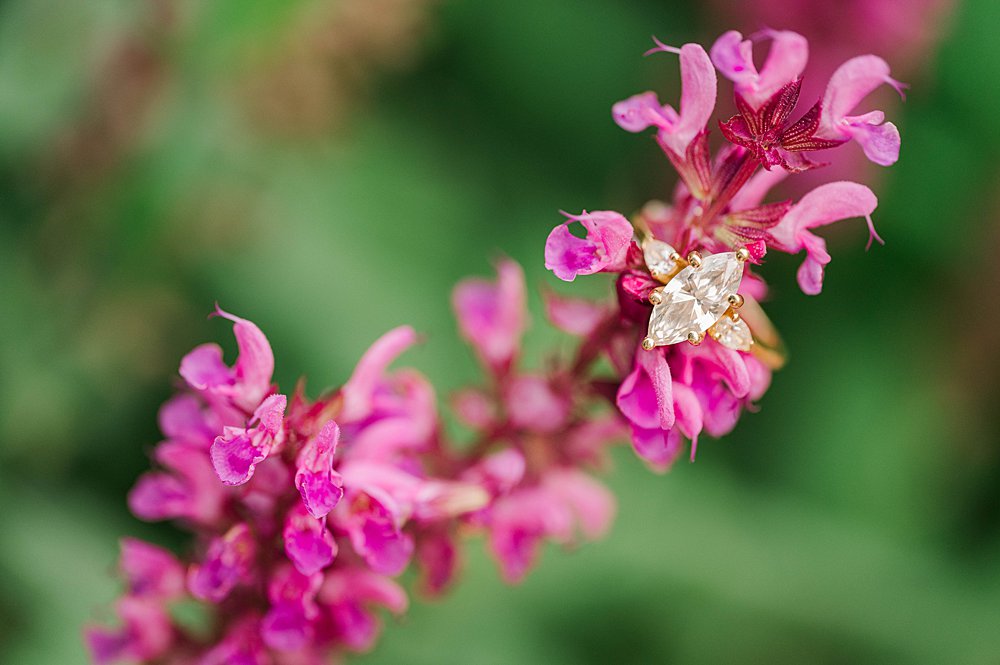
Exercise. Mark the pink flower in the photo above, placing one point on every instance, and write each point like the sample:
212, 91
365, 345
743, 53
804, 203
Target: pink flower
492, 315
360, 390
825, 204
574, 315
238, 450
850, 84
308, 543
145, 634
603, 250
786, 60
187, 489
244, 384
288, 625
317, 482
564, 501
645, 398
228, 562
150, 570
349, 597
698, 90
437, 554
533, 403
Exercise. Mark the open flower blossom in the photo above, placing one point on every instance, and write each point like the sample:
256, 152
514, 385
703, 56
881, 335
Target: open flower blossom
303, 512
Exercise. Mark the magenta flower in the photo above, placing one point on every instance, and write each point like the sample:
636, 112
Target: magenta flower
826, 204
675, 131
491, 316
245, 383
238, 451
317, 482
603, 250
308, 543
228, 562
850, 84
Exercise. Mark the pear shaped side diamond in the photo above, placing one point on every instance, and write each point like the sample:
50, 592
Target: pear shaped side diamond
733, 334
658, 257
695, 299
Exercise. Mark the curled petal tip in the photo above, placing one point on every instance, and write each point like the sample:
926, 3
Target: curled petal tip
661, 48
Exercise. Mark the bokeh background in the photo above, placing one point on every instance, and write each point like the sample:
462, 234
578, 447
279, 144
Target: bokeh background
329, 168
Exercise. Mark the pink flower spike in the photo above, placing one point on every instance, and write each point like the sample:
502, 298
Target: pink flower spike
320, 486
227, 562
786, 59
308, 543
824, 205
359, 390
492, 315
604, 249
850, 84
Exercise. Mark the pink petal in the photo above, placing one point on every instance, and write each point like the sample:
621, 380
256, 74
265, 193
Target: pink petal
308, 543
227, 562
150, 570
733, 57
438, 559
492, 315
591, 502
182, 417
498, 472
642, 111
204, 369
255, 364
851, 83
319, 485
360, 388
880, 142
786, 60
824, 205
234, 456
690, 419
533, 404
698, 92
474, 408
575, 316
644, 397
810, 273
605, 248
658, 447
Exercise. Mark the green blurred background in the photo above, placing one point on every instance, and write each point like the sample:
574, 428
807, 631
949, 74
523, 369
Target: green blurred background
329, 168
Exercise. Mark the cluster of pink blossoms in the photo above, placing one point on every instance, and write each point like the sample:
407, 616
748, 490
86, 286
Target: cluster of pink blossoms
303, 512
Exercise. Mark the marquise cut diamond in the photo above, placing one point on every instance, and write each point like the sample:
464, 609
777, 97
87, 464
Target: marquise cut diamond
695, 299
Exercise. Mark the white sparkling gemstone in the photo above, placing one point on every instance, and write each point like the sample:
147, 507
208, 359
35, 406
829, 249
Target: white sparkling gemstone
733, 334
695, 298
657, 256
